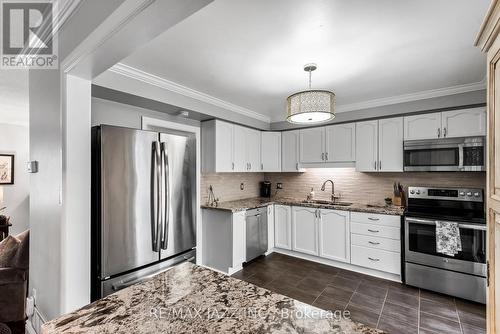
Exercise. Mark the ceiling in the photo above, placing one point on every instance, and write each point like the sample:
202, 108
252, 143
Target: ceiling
14, 97
251, 52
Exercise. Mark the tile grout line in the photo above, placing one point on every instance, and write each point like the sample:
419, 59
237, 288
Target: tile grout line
418, 315
382, 309
458, 315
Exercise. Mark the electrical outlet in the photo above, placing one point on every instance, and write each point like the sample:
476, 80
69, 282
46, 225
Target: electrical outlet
279, 185
242, 186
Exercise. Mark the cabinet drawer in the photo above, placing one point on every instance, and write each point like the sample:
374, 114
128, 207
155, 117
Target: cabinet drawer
376, 218
376, 259
376, 230
376, 242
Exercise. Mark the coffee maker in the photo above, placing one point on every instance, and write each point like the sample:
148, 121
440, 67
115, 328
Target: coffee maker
265, 189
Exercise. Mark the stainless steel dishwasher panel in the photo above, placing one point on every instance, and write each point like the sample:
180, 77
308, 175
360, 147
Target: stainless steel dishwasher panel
256, 233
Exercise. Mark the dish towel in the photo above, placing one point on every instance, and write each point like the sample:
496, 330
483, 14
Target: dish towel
448, 238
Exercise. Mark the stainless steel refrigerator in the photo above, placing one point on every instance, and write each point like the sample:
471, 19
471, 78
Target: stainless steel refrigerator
143, 205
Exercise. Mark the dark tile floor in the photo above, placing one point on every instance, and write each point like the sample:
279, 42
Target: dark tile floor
390, 306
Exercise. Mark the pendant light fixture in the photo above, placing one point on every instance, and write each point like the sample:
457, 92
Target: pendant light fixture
312, 105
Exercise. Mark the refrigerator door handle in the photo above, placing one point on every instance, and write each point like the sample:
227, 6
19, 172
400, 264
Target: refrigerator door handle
165, 196
156, 197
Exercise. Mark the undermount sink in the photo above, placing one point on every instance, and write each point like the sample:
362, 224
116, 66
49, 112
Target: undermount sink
318, 201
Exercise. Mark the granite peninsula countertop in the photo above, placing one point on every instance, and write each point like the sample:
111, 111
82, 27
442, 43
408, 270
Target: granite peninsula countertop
193, 299
252, 203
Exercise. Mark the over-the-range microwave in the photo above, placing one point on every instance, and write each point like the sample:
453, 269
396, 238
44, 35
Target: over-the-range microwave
464, 154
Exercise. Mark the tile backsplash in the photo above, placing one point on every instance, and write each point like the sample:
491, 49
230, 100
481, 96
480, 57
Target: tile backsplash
367, 188
227, 185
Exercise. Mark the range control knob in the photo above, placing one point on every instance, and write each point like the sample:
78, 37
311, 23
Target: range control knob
476, 194
469, 193
412, 191
461, 193
418, 192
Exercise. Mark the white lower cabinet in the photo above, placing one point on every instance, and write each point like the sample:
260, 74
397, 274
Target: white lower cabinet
270, 227
304, 230
377, 259
334, 235
282, 226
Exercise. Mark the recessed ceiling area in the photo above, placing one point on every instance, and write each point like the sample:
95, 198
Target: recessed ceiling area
251, 52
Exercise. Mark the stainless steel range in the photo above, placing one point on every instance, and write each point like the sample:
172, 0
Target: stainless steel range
462, 275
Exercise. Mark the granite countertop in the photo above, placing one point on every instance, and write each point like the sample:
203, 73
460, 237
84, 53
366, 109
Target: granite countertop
252, 203
192, 299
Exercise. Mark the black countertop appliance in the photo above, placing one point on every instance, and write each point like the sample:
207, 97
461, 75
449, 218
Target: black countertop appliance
265, 189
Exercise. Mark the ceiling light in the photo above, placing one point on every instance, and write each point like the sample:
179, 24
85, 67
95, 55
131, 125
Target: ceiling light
312, 105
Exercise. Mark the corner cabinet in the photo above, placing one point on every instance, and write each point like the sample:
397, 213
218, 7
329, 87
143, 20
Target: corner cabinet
270, 151
379, 145
334, 235
282, 226
290, 151
447, 124
304, 230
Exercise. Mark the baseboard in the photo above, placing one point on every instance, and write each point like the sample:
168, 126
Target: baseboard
343, 265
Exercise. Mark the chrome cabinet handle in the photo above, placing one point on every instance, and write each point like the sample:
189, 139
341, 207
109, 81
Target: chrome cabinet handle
373, 219
439, 132
374, 243
297, 166
322, 156
444, 132
373, 231
373, 259
326, 156
232, 165
380, 164
261, 166
375, 165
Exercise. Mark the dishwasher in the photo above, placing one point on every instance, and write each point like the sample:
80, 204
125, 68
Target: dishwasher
256, 232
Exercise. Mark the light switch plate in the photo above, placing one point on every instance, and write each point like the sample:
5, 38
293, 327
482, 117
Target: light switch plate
32, 166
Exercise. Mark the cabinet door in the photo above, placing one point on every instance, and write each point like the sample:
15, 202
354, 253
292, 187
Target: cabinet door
426, 126
334, 235
366, 146
282, 227
304, 230
312, 145
464, 123
290, 151
271, 151
390, 144
340, 143
239, 149
223, 147
270, 227
253, 150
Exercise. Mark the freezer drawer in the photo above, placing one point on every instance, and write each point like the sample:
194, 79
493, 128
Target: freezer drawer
256, 233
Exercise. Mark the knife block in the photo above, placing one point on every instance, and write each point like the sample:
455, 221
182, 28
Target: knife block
399, 200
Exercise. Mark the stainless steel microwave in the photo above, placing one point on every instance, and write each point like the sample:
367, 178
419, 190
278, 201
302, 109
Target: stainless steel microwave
464, 154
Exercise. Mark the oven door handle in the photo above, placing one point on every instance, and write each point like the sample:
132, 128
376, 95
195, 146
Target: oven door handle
460, 225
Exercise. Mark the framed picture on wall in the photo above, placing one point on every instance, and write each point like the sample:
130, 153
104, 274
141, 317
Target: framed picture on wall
6, 169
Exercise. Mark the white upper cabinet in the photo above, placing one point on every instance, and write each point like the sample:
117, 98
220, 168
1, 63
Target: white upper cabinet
426, 126
217, 146
253, 149
283, 226
304, 230
464, 123
390, 143
239, 154
367, 146
340, 142
290, 151
312, 145
447, 124
271, 152
334, 235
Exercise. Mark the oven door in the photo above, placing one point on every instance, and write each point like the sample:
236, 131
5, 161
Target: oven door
420, 247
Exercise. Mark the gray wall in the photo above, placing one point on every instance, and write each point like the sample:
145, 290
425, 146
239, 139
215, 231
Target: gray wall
120, 114
469, 99
14, 139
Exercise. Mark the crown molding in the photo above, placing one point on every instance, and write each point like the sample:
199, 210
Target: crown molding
136, 74
422, 95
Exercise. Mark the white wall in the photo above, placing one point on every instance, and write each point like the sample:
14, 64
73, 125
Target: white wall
14, 139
